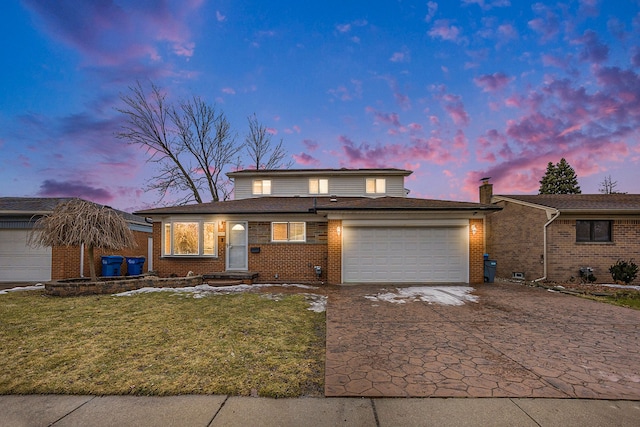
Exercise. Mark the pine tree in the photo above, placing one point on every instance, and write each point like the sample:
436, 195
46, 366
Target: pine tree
560, 178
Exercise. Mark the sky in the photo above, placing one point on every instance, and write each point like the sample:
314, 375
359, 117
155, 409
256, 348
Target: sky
453, 90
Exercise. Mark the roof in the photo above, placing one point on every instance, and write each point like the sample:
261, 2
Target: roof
14, 206
284, 205
623, 203
316, 172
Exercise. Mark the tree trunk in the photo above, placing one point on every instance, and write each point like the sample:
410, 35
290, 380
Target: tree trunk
92, 264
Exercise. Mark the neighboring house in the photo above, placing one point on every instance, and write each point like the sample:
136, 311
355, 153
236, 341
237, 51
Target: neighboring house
323, 225
20, 262
553, 236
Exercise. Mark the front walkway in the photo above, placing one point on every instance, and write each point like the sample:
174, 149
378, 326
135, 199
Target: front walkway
515, 341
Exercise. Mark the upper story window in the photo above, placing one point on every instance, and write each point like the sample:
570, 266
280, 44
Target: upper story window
593, 231
288, 232
376, 186
318, 186
262, 186
189, 238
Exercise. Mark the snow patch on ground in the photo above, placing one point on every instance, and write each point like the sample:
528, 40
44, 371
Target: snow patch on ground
441, 295
317, 303
35, 287
637, 288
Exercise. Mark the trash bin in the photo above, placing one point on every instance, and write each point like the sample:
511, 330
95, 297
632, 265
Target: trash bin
111, 265
490, 270
134, 265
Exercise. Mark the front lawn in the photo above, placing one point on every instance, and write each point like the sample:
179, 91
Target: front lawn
160, 344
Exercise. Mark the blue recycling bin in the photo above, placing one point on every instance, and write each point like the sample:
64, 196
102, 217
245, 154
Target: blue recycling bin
111, 265
490, 270
134, 265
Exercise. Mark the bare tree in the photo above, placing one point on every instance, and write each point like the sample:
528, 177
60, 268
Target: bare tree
608, 186
78, 222
191, 143
262, 154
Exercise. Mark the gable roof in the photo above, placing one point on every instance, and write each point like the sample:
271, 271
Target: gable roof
319, 172
35, 206
289, 205
581, 203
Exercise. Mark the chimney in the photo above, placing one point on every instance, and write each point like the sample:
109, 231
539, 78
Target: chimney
486, 191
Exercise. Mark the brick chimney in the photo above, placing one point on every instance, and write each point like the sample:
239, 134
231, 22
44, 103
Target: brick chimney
486, 191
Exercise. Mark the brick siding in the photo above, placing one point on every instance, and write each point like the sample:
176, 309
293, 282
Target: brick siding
65, 260
566, 256
515, 238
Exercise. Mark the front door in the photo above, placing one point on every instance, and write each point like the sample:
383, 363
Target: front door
236, 245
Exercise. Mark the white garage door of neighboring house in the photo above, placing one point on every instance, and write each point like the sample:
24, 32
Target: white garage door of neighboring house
405, 255
21, 263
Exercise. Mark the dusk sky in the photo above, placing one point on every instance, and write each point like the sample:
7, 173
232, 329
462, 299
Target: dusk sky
454, 90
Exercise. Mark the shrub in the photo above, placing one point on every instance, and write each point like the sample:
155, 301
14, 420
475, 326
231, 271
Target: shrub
624, 271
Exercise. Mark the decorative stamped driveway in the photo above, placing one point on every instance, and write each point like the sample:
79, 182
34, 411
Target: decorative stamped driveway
513, 341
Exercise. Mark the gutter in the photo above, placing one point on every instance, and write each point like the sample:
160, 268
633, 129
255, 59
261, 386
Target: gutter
544, 248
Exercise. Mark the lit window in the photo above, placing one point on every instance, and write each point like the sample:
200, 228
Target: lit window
318, 186
190, 238
593, 231
376, 186
288, 232
262, 186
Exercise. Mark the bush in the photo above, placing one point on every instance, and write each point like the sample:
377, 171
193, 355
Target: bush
624, 271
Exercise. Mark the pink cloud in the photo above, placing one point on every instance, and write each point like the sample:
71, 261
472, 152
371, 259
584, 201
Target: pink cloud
594, 51
492, 82
53, 188
454, 107
228, 90
432, 8
310, 144
305, 159
220, 17
272, 131
547, 24
443, 29
488, 4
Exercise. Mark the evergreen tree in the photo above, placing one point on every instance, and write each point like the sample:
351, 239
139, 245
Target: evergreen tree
560, 178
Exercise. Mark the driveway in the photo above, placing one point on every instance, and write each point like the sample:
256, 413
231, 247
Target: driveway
512, 341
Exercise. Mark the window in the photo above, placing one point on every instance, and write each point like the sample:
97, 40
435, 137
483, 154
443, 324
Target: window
288, 232
262, 186
318, 186
376, 186
593, 231
190, 238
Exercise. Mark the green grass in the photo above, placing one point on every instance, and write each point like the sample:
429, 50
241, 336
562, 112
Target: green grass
623, 299
160, 344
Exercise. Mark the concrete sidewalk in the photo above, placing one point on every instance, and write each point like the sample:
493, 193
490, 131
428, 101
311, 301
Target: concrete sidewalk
57, 410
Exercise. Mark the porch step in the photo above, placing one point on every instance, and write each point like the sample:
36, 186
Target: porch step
223, 282
238, 277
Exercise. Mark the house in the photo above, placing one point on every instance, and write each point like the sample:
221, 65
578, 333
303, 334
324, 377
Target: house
20, 262
553, 236
323, 225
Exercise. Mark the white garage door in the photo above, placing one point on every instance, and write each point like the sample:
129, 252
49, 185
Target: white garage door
21, 263
405, 255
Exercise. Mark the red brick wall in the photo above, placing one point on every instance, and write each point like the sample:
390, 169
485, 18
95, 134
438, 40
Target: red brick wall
65, 260
476, 251
566, 256
290, 262
515, 240
334, 252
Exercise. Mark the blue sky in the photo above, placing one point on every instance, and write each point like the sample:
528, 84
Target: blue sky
453, 90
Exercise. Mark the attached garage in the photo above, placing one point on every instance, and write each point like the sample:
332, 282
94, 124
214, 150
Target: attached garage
406, 254
21, 263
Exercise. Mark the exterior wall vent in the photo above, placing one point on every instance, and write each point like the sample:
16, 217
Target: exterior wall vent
518, 275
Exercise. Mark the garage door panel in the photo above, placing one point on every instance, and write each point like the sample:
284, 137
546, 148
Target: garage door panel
21, 263
405, 254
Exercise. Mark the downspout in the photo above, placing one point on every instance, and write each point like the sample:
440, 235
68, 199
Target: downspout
544, 248
82, 260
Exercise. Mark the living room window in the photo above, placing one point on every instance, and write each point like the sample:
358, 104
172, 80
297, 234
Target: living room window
318, 186
189, 238
376, 186
288, 232
261, 186
593, 231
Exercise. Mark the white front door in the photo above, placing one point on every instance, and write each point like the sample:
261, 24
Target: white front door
236, 245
